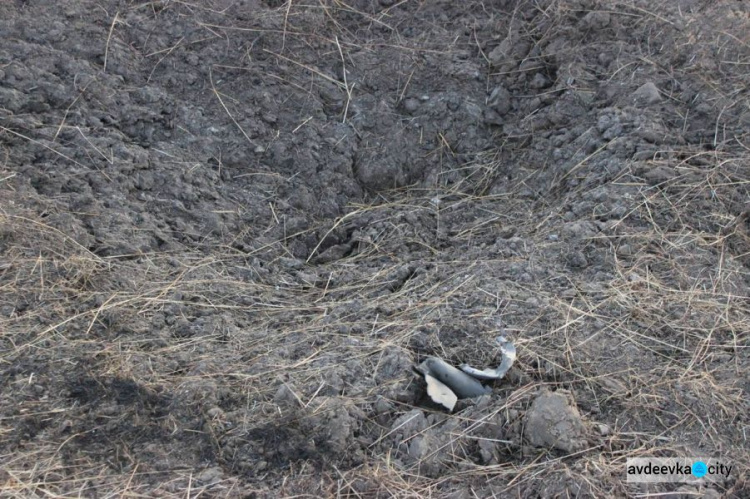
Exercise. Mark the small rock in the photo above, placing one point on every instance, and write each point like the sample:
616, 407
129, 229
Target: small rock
492, 117
210, 475
215, 412
552, 422
500, 100
419, 446
382, 406
539, 82
411, 105
577, 259
625, 250
647, 94
292, 263
604, 429
502, 52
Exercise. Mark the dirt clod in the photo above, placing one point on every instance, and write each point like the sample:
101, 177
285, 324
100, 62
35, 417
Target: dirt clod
553, 422
647, 94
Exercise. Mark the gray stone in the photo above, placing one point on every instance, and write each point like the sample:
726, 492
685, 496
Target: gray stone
500, 100
420, 446
539, 82
647, 94
577, 259
210, 475
411, 105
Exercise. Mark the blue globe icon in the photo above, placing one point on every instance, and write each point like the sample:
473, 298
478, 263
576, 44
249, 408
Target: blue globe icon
699, 469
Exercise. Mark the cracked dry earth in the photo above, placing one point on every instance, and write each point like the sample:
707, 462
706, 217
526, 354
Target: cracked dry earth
229, 229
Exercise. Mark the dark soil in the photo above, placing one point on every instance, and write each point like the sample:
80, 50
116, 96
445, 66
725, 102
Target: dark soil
229, 228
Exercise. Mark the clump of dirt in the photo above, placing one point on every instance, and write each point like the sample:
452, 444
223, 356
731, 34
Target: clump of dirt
230, 228
553, 423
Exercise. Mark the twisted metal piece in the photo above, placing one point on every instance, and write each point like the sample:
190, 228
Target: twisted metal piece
446, 384
508, 351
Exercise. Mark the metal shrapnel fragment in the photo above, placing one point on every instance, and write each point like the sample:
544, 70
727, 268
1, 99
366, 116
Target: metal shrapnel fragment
462, 384
508, 351
446, 384
439, 393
